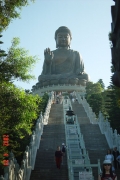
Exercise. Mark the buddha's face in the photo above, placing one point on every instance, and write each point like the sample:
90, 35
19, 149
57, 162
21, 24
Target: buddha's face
63, 39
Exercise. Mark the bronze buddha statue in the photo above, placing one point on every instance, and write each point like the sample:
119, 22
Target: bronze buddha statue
63, 65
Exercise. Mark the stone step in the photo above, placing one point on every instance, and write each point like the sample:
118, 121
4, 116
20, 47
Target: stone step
50, 174
53, 135
95, 142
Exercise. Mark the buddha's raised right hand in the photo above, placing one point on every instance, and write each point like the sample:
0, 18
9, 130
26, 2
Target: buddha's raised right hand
48, 55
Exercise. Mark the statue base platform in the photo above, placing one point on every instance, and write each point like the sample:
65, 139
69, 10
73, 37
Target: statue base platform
63, 88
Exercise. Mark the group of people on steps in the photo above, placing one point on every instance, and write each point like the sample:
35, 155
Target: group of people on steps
110, 164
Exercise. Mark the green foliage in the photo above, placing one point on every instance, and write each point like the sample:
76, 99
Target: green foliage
113, 107
96, 102
18, 113
101, 83
110, 37
112, 104
19, 109
43, 103
94, 96
18, 64
2, 52
105, 100
9, 10
92, 88
16, 106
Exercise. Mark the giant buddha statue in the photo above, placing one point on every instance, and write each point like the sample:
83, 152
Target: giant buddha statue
63, 65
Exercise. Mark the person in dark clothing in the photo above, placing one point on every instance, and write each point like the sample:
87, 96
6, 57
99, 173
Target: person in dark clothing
115, 154
58, 157
107, 173
63, 151
63, 148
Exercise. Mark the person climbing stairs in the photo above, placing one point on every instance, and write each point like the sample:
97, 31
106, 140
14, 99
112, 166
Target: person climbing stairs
53, 136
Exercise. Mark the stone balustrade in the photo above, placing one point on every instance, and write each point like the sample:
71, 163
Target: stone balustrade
60, 87
77, 156
112, 137
13, 171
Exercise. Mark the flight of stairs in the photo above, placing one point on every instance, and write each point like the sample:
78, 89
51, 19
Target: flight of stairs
95, 142
53, 136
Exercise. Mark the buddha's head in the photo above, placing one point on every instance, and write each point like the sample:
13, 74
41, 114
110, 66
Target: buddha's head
63, 37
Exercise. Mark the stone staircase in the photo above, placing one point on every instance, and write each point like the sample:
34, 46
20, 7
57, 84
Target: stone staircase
53, 135
95, 142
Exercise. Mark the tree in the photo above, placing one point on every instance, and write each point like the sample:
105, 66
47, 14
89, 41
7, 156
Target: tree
96, 102
17, 64
94, 96
112, 106
105, 98
92, 88
18, 114
19, 109
101, 83
2, 52
9, 10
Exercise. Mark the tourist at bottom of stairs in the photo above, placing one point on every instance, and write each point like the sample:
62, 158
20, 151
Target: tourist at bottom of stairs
107, 173
58, 157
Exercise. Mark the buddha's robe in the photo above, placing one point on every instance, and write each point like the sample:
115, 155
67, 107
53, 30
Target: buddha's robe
66, 63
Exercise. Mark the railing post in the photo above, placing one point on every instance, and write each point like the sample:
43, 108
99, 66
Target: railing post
118, 140
10, 175
99, 168
23, 170
115, 138
16, 169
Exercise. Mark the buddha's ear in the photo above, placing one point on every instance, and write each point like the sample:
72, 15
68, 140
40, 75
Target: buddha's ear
69, 45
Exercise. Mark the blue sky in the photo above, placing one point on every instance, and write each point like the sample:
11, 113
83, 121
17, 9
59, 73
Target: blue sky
89, 22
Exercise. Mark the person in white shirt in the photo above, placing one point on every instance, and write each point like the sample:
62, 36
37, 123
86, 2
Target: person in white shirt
109, 156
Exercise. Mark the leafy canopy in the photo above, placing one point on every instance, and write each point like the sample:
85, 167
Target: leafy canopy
94, 96
18, 114
9, 10
101, 83
93, 88
18, 109
18, 64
